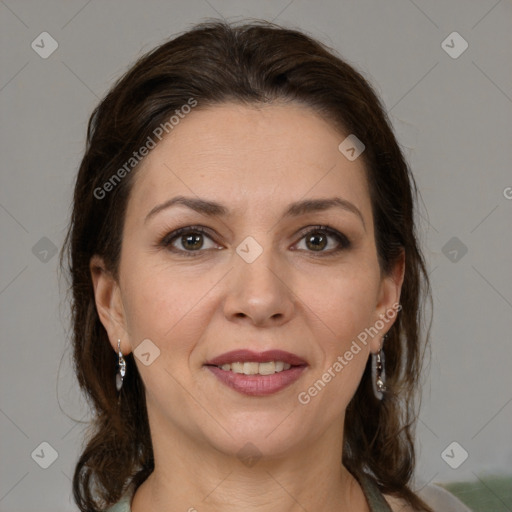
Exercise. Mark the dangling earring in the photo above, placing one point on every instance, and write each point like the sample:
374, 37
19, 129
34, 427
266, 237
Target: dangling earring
379, 373
121, 367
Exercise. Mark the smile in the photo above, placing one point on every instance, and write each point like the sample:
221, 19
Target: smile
257, 374
253, 368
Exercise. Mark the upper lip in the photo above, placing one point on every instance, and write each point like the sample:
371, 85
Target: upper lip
242, 356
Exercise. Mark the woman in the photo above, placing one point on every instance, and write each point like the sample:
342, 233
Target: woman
246, 283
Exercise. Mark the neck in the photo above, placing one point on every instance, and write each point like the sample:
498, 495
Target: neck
195, 477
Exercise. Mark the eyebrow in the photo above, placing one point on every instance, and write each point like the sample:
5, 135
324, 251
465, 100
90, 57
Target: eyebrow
214, 209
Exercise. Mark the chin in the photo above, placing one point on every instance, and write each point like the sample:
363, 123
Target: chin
256, 437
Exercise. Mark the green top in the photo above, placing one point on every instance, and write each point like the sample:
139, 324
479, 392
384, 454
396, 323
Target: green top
375, 499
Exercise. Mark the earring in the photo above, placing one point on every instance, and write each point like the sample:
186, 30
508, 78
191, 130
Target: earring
379, 373
122, 367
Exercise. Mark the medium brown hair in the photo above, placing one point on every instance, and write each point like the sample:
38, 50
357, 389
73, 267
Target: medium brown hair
255, 63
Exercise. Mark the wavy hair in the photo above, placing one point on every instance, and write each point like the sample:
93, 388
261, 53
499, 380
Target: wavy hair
253, 63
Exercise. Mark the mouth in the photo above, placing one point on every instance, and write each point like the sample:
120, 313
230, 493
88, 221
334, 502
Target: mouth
257, 373
255, 368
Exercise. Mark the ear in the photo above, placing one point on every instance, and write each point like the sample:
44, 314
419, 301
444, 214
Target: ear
388, 303
109, 305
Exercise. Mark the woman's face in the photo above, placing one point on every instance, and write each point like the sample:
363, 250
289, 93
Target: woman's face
259, 276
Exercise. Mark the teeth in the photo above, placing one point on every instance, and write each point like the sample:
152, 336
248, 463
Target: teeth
267, 368
237, 367
252, 368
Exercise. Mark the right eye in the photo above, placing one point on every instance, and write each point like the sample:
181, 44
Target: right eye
191, 239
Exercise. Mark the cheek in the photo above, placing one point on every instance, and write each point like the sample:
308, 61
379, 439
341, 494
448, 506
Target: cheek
344, 301
345, 306
160, 301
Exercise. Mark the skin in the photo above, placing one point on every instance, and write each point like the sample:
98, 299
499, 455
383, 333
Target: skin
294, 296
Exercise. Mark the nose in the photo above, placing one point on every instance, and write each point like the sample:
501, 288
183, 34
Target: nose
259, 292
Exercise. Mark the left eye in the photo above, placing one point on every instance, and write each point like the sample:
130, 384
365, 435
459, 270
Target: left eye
317, 239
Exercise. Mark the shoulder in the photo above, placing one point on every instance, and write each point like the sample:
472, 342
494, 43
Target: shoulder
122, 505
398, 504
438, 498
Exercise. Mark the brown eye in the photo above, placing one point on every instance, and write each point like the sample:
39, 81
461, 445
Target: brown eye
193, 242
316, 241
319, 238
188, 240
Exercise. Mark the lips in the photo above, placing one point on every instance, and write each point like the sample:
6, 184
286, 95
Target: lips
242, 356
284, 369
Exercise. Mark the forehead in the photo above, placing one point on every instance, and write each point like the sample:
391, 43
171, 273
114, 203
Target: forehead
243, 155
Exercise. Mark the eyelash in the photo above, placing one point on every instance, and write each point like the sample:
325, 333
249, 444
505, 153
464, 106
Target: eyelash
166, 241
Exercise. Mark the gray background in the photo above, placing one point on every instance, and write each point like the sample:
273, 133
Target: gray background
452, 116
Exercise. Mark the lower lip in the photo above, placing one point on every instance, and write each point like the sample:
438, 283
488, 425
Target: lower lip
258, 385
